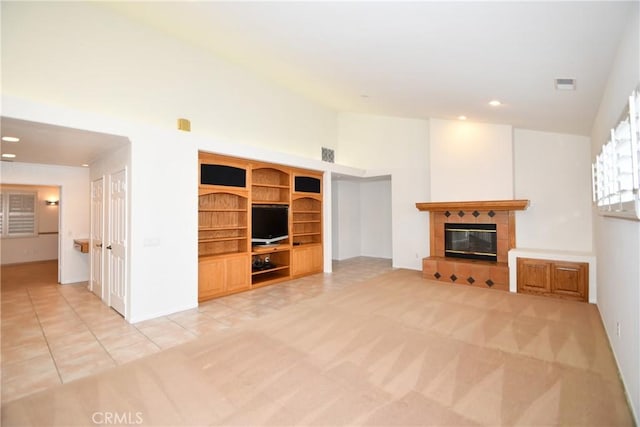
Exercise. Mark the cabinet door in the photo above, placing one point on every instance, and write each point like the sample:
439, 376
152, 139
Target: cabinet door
570, 279
307, 260
238, 273
211, 278
534, 276
224, 275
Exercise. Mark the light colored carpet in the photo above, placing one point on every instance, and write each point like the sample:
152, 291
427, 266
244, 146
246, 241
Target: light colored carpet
391, 350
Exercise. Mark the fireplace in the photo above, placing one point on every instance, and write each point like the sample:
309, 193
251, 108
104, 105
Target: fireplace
471, 241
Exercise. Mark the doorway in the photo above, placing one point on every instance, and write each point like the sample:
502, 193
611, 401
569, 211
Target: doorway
29, 223
361, 217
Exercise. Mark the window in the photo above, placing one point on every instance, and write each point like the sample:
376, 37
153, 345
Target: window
18, 214
615, 171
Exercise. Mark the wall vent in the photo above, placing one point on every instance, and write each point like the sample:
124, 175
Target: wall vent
328, 155
565, 84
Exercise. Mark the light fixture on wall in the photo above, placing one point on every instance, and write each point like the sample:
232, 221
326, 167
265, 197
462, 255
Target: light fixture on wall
52, 202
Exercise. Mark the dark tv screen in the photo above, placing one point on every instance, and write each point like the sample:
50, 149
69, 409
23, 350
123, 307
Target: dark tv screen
269, 223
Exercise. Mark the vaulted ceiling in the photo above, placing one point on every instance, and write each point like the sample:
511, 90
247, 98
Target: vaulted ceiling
416, 59
411, 59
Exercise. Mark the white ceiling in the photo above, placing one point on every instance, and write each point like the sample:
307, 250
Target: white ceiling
416, 59
410, 59
55, 145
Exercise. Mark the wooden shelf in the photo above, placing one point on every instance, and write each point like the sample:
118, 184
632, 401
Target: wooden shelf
269, 202
494, 205
220, 210
270, 185
222, 239
229, 227
269, 270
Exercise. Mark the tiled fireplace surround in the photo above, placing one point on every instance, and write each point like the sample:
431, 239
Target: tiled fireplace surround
484, 274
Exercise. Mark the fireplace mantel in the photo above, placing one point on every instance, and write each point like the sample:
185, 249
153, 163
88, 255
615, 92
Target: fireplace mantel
494, 205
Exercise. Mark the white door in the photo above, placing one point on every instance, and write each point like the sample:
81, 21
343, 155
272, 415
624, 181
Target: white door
117, 242
97, 233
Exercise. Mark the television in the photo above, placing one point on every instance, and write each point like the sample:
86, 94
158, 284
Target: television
269, 224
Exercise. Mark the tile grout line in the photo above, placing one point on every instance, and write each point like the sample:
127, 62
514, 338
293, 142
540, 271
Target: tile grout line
87, 326
44, 335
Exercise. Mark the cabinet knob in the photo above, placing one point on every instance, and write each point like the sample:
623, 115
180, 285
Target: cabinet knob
109, 247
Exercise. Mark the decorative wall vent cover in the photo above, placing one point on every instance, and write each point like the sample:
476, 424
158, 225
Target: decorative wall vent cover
328, 155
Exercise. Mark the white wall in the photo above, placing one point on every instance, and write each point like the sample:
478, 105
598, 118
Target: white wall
346, 220
73, 208
376, 218
470, 161
617, 241
399, 148
120, 69
553, 171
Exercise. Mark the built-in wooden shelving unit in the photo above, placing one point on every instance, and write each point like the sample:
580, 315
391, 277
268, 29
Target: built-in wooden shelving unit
228, 188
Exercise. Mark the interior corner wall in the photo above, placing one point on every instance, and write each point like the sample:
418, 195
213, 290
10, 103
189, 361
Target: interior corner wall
553, 171
616, 240
346, 220
375, 218
470, 161
73, 210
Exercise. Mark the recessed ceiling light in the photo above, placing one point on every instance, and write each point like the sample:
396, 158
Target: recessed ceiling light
84, 165
10, 139
462, 117
9, 156
495, 103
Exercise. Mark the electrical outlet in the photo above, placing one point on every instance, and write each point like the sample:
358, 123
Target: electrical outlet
618, 329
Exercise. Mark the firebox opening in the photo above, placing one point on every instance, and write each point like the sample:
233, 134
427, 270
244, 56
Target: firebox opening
471, 241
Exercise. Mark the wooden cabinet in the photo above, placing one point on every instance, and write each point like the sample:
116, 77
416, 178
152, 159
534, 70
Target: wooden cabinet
307, 259
223, 275
570, 279
228, 188
561, 279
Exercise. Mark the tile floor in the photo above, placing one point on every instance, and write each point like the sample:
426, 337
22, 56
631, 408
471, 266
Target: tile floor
53, 334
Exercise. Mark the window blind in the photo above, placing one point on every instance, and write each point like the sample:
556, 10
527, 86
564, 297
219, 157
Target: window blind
615, 171
18, 214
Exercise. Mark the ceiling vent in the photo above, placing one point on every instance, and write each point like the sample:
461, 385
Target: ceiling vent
565, 84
